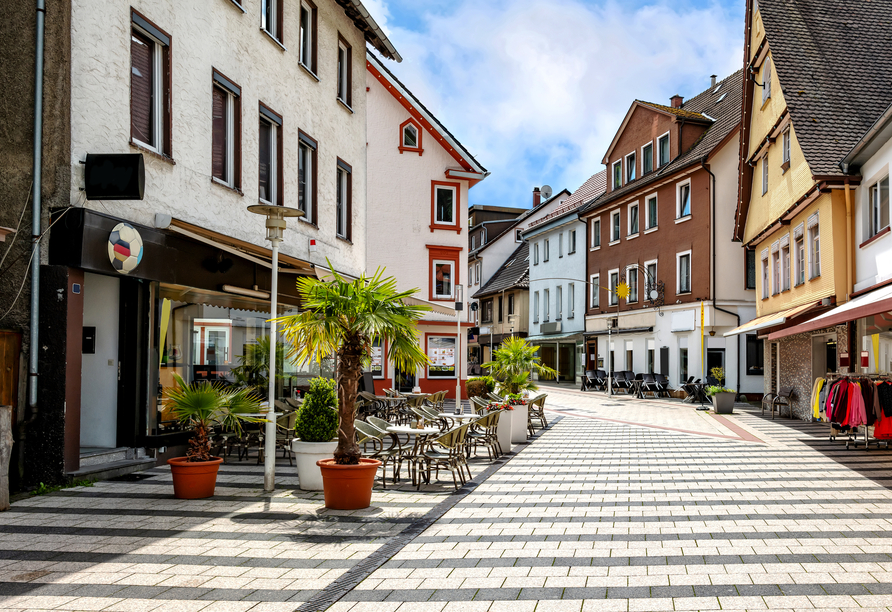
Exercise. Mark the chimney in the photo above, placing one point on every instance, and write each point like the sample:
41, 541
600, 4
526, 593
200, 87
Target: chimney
712, 78
537, 197
677, 101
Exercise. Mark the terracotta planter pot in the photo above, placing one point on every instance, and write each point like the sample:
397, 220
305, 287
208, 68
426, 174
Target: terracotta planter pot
348, 487
194, 479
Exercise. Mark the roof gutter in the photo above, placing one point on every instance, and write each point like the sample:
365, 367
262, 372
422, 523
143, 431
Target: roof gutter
865, 140
376, 30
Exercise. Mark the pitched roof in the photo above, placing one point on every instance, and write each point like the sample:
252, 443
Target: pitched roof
679, 112
722, 104
514, 273
366, 24
589, 190
417, 109
833, 59
522, 218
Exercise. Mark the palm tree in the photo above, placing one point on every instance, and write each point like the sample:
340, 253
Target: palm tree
253, 368
513, 362
344, 318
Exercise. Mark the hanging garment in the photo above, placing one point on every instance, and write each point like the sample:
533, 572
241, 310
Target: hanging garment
816, 397
884, 390
841, 404
883, 429
857, 413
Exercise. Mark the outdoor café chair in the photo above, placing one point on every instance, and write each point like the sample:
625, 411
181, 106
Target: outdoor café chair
536, 412
649, 385
495, 397
479, 402
483, 433
447, 452
367, 433
663, 384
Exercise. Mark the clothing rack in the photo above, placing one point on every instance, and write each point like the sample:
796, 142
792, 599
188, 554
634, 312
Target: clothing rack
852, 435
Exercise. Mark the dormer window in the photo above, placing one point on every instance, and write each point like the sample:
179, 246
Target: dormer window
410, 137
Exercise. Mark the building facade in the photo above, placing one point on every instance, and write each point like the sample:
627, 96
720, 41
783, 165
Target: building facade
486, 223
662, 230
419, 177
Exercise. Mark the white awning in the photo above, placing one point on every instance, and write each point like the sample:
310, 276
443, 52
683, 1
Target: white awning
772, 320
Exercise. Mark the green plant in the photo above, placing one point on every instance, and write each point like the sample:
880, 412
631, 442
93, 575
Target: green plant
253, 367
513, 362
317, 417
344, 318
713, 389
718, 373
43, 489
202, 405
488, 381
476, 388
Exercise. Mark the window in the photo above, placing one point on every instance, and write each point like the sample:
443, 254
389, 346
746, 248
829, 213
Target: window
629, 354
614, 227
684, 272
441, 352
536, 254
500, 310
765, 290
226, 132
571, 300
443, 274
632, 280
750, 263
535, 307
308, 35
306, 177
814, 246
571, 242
775, 270
546, 298
559, 302
596, 233
630, 167
270, 157
799, 258
344, 204
878, 217
345, 72
684, 200
149, 86
683, 363
560, 245
766, 80
651, 281
614, 283
487, 311
546, 250
651, 212
755, 355
647, 159
445, 205
617, 174
477, 272
518, 235
663, 150
410, 136
765, 174
511, 304
594, 291
650, 359
271, 18
470, 275
785, 265
786, 150
633, 219
473, 242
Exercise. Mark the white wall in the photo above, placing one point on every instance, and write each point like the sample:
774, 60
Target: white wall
217, 34
556, 272
99, 371
873, 262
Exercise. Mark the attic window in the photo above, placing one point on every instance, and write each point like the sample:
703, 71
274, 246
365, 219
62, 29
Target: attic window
718, 87
722, 97
410, 137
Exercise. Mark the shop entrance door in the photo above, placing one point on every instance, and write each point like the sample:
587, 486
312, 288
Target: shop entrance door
100, 365
715, 358
567, 362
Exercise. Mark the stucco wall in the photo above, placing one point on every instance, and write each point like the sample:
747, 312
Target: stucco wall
873, 262
560, 271
219, 35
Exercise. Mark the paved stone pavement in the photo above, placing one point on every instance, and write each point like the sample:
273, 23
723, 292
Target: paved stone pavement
614, 507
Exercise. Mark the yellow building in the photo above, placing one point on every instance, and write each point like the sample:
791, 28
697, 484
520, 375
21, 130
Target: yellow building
804, 108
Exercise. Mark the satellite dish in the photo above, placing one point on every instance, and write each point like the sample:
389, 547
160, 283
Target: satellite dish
546, 192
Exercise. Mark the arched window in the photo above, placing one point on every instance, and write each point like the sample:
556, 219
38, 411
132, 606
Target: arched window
410, 137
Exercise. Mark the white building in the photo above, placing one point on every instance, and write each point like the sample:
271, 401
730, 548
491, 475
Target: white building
419, 177
558, 282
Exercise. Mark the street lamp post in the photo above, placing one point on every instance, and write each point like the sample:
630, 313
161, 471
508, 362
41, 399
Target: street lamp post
459, 306
275, 230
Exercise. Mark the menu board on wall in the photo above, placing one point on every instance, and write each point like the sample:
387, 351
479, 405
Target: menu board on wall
377, 366
441, 352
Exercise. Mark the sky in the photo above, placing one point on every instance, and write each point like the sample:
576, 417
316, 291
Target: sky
536, 89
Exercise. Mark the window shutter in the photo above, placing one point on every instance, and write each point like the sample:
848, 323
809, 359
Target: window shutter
141, 79
218, 147
813, 221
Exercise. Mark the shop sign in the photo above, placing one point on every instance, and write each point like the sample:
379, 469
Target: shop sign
865, 359
124, 248
843, 360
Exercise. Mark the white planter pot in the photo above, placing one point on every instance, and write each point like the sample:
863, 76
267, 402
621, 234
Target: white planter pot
306, 454
503, 431
519, 424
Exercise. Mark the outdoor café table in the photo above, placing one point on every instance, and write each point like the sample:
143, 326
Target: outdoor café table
638, 387
421, 439
458, 417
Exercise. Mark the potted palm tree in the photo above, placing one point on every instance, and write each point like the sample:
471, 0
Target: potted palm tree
512, 364
344, 318
316, 429
202, 406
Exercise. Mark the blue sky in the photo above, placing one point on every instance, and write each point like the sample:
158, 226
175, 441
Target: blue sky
536, 89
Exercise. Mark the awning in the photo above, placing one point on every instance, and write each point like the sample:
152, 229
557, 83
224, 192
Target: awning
619, 332
325, 274
553, 338
869, 304
772, 320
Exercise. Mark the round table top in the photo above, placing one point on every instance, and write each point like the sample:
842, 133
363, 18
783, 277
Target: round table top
452, 415
416, 394
405, 429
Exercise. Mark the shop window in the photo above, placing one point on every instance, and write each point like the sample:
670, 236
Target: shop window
441, 352
755, 355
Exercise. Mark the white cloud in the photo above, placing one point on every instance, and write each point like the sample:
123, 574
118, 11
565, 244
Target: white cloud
537, 88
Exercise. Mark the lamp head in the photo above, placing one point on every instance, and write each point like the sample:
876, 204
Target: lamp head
275, 218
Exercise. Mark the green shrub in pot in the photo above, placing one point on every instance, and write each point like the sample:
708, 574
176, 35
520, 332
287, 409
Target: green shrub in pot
317, 417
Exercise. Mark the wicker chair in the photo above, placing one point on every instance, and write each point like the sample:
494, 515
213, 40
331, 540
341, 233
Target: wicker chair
448, 452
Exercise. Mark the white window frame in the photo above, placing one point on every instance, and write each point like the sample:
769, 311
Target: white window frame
518, 235
454, 192
571, 299
536, 254
785, 145
535, 306
477, 273
343, 76
342, 197
615, 226
595, 230
678, 257
560, 244
659, 160
558, 302
403, 136
814, 247
634, 206
273, 156
765, 173
785, 266
305, 51
766, 80
304, 149
474, 242
766, 273
571, 241
545, 250
647, 284
230, 139
594, 291
546, 301
632, 273
775, 269
647, 199
270, 28
158, 98
875, 208
678, 200
613, 300
799, 259
652, 159
613, 170
631, 167
441, 296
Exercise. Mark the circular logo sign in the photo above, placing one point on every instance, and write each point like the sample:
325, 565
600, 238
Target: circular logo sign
124, 248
